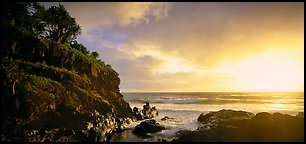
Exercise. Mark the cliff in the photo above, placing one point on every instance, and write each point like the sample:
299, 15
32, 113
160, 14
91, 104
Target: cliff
54, 90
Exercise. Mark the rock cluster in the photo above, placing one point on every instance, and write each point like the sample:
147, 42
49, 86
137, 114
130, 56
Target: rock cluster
147, 112
239, 126
148, 126
103, 126
77, 127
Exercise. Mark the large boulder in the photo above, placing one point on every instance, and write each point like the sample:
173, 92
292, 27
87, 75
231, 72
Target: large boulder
224, 117
148, 126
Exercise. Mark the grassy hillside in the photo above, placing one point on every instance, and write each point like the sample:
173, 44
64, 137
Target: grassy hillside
51, 85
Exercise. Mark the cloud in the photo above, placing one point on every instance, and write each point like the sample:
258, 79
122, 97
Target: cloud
170, 46
107, 14
212, 34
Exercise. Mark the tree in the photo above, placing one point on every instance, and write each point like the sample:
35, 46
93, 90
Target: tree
79, 47
60, 26
23, 15
38, 13
16, 14
95, 54
17, 25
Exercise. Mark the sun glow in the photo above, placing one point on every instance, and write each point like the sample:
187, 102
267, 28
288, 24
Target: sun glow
268, 72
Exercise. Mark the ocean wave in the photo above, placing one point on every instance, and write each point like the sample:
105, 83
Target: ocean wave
169, 101
255, 102
218, 101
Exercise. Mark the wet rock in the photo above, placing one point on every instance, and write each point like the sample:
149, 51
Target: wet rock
166, 118
205, 117
149, 112
146, 113
165, 140
122, 123
135, 110
138, 114
183, 136
148, 126
146, 107
238, 126
224, 117
129, 120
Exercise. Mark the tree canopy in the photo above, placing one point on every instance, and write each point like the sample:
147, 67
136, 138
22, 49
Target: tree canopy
95, 54
59, 25
53, 23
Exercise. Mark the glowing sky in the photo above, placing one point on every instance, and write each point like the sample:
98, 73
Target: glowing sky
197, 46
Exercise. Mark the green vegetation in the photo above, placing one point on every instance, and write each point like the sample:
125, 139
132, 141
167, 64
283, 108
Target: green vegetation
47, 74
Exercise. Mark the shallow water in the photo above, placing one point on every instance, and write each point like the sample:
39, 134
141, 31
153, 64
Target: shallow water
182, 120
186, 107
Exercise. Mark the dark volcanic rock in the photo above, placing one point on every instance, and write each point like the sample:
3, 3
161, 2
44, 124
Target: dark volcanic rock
149, 112
146, 113
138, 114
224, 117
229, 125
166, 118
148, 126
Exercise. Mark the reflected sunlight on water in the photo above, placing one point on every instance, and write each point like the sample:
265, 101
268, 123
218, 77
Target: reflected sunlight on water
280, 107
185, 108
284, 102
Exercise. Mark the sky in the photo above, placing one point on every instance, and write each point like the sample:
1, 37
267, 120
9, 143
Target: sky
207, 47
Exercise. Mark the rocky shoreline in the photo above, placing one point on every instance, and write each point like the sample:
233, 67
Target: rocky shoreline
84, 128
228, 125
232, 126
73, 126
241, 126
216, 126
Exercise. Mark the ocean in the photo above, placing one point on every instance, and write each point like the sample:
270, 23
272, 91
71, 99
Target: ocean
185, 107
